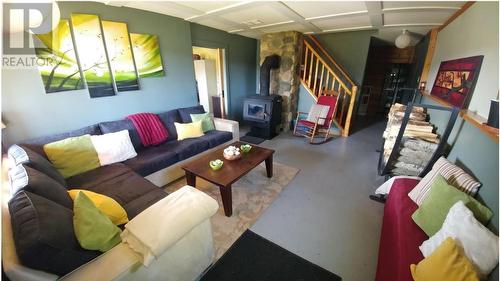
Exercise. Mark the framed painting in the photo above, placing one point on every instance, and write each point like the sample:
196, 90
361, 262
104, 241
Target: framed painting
92, 55
456, 79
120, 56
60, 72
147, 55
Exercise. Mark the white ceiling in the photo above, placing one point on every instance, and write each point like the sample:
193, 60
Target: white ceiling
254, 18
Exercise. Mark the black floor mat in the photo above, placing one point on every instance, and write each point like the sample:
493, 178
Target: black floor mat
252, 139
253, 258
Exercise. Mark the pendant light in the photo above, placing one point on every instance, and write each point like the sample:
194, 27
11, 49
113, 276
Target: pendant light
403, 40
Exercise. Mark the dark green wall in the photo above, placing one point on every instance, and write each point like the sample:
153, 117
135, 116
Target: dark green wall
30, 112
241, 63
350, 50
476, 153
418, 61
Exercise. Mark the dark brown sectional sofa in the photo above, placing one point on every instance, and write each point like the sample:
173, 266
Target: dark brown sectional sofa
41, 209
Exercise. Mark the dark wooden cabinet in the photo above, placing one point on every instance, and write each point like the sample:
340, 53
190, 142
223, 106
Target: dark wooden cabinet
393, 55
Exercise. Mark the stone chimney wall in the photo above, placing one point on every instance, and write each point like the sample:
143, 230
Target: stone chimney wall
285, 80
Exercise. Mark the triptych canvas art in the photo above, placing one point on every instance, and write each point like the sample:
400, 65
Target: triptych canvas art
102, 55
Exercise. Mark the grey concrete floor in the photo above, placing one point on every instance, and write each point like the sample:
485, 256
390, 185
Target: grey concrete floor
324, 215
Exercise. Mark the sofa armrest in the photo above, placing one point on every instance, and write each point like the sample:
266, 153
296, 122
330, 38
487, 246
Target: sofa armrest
228, 126
176, 215
11, 264
121, 259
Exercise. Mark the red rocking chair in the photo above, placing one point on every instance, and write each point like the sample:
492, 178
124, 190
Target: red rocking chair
318, 121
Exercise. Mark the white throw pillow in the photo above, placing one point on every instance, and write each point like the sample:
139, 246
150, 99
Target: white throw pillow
385, 188
318, 110
479, 243
453, 174
113, 147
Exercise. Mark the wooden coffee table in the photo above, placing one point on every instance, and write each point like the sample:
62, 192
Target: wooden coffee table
230, 172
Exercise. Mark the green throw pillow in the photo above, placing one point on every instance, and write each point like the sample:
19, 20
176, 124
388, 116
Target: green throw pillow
442, 196
72, 156
207, 122
93, 229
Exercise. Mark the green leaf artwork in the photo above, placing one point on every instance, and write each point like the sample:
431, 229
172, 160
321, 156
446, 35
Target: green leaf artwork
147, 55
92, 54
120, 56
60, 70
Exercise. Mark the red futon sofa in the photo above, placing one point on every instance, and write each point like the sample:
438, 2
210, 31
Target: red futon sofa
400, 237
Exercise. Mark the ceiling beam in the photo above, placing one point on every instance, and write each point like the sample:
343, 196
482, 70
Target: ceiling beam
455, 15
232, 24
227, 9
419, 9
368, 27
412, 24
375, 13
291, 14
339, 15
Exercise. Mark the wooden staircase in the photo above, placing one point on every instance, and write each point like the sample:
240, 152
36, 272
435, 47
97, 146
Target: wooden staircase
321, 74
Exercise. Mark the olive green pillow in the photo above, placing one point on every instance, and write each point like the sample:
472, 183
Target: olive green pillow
93, 229
207, 121
72, 156
442, 196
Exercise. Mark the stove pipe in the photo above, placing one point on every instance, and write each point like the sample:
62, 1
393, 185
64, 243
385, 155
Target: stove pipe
270, 62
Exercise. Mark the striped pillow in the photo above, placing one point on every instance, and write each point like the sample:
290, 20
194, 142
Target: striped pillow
454, 175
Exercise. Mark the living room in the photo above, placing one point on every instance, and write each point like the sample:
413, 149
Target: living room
121, 160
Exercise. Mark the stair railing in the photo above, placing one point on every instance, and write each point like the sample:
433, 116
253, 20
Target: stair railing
319, 77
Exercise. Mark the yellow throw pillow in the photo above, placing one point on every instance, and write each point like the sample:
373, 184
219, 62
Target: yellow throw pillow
105, 204
447, 263
189, 130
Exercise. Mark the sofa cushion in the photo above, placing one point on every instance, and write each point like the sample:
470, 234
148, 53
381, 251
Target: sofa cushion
28, 179
187, 148
19, 154
168, 118
479, 243
113, 147
105, 204
216, 138
37, 144
453, 174
93, 229
120, 125
133, 192
189, 130
441, 197
447, 263
97, 176
44, 236
185, 113
72, 156
207, 121
152, 159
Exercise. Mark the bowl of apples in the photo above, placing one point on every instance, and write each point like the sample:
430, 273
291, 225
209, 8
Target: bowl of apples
232, 153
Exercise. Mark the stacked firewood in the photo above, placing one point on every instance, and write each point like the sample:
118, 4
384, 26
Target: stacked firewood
418, 143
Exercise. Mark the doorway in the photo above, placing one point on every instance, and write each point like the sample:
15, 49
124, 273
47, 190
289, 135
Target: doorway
210, 75
386, 81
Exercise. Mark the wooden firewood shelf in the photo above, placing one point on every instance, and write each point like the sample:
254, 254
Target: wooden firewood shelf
475, 119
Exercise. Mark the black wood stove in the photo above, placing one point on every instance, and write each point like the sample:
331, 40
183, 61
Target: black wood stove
263, 112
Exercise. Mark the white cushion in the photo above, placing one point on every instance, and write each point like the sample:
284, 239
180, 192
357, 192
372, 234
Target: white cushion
113, 147
480, 244
172, 217
453, 174
318, 110
385, 188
